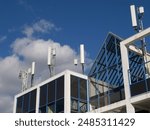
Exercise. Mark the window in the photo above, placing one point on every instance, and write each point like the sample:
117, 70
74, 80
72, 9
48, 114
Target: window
83, 89
74, 86
78, 94
60, 87
60, 106
43, 95
32, 101
19, 104
27, 102
51, 91
52, 96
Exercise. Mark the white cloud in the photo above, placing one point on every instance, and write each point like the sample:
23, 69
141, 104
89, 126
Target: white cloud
36, 50
42, 26
28, 49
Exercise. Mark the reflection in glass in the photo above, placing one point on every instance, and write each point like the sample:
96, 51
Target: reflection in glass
83, 91
74, 86
51, 108
78, 95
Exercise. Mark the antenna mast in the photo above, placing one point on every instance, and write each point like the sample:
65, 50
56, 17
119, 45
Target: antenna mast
138, 27
137, 24
82, 57
32, 73
51, 60
24, 75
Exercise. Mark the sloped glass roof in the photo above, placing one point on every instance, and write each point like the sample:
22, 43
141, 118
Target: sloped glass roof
107, 66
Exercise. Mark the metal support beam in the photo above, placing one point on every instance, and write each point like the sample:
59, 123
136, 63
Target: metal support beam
136, 37
125, 64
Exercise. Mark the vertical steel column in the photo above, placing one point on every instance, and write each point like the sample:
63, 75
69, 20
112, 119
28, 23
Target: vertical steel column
88, 97
125, 68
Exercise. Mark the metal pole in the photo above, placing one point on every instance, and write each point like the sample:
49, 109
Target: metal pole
82, 68
32, 78
50, 72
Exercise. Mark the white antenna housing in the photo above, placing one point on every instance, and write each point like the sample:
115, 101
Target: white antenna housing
33, 68
49, 59
54, 52
75, 61
141, 10
133, 16
82, 54
29, 71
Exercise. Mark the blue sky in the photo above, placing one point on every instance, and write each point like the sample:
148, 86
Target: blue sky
79, 21
29, 27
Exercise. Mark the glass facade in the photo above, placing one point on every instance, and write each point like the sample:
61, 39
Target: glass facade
26, 103
106, 74
78, 95
52, 96
106, 77
139, 78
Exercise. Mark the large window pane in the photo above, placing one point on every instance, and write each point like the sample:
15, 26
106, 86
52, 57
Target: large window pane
60, 106
74, 86
51, 91
32, 100
19, 105
26, 103
43, 95
83, 89
60, 87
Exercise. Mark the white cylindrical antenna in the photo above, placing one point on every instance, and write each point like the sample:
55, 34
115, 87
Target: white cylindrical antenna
133, 16
33, 68
49, 58
82, 54
75, 61
54, 52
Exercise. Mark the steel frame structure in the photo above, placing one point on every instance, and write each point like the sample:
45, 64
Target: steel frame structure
106, 74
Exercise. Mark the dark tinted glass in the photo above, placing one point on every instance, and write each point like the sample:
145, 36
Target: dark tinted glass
60, 88
32, 100
43, 109
60, 106
83, 89
43, 94
26, 103
51, 91
74, 86
19, 105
